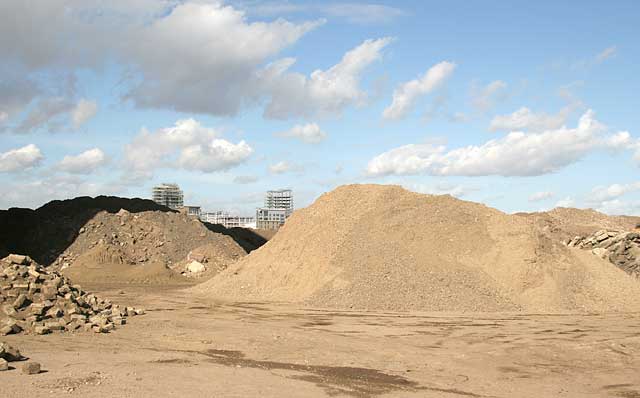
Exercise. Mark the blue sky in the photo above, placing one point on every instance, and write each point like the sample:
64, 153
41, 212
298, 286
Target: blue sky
523, 106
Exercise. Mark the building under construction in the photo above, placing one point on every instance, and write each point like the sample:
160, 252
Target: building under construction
169, 195
278, 206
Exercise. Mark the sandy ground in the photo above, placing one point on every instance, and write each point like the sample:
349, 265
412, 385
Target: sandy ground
183, 347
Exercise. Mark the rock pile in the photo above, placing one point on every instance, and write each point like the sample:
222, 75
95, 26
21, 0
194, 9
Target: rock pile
620, 248
35, 300
141, 247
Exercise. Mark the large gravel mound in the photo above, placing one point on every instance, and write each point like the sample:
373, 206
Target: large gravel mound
382, 247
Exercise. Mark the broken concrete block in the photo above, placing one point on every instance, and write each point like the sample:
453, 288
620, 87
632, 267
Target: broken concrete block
40, 329
19, 302
17, 259
31, 368
9, 353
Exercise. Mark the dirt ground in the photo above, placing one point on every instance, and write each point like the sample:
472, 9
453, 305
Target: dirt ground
184, 347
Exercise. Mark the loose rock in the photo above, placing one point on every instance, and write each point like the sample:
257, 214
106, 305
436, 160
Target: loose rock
39, 301
31, 368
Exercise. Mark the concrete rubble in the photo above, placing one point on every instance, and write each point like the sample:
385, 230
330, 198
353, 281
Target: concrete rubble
8, 354
34, 300
619, 247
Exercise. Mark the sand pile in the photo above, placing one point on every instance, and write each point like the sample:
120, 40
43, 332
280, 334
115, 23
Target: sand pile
382, 247
143, 247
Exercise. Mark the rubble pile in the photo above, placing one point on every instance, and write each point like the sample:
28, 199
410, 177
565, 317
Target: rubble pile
620, 248
144, 247
35, 300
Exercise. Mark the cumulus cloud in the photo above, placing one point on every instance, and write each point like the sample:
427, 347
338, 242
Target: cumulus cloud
324, 92
187, 145
483, 98
613, 191
309, 133
16, 93
516, 154
83, 112
280, 167
566, 202
209, 59
525, 120
85, 163
619, 207
47, 113
540, 196
212, 60
20, 159
441, 188
405, 95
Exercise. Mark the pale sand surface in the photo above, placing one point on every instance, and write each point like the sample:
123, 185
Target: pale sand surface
187, 347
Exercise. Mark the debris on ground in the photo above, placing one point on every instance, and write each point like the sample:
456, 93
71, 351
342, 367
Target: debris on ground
621, 248
31, 368
35, 300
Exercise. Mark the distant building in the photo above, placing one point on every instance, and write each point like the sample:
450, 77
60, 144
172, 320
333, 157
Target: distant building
278, 206
193, 211
227, 220
169, 195
280, 199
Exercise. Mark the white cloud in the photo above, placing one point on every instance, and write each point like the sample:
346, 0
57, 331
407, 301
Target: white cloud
85, 163
619, 207
20, 159
483, 98
566, 202
540, 196
440, 189
525, 120
405, 95
47, 113
280, 167
83, 112
309, 133
212, 60
217, 155
607, 53
516, 154
209, 63
245, 179
209, 59
613, 191
324, 92
15, 94
187, 145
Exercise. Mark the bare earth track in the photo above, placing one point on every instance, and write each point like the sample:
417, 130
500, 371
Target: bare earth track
183, 347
